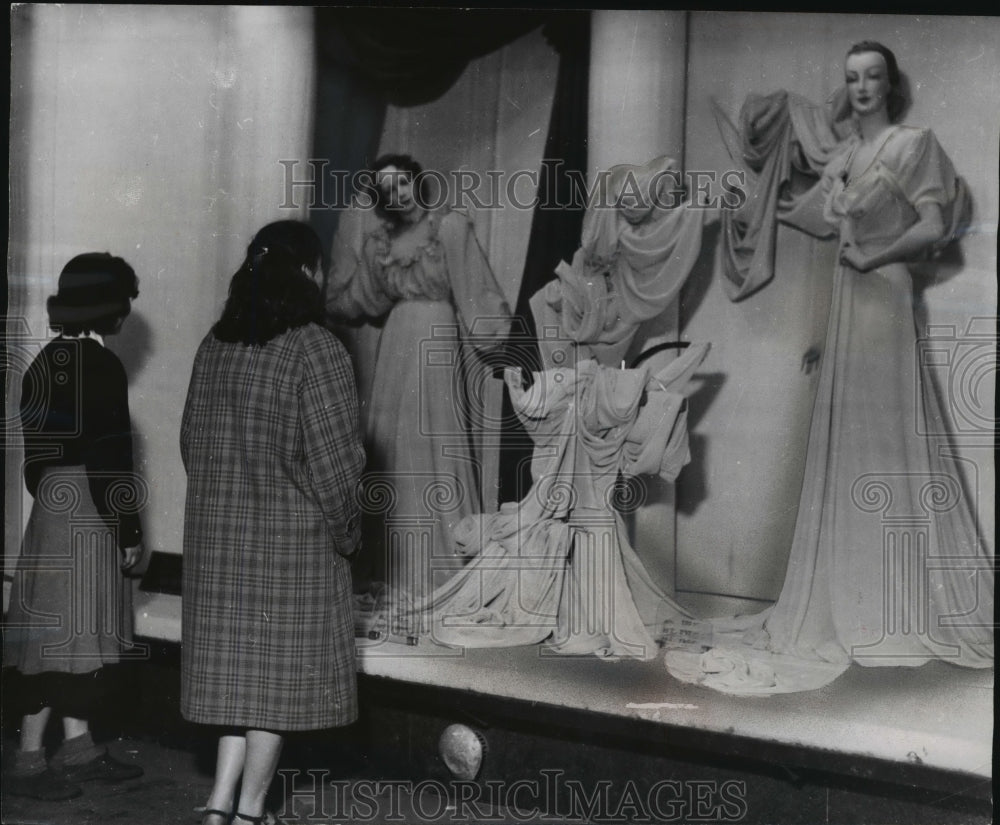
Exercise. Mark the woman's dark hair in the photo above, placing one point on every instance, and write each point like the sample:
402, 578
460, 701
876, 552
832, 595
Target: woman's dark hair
96, 290
898, 99
412, 170
270, 294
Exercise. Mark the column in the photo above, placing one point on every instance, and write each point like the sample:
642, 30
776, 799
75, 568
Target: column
637, 109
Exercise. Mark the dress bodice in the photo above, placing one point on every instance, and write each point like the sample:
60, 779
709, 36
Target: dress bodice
440, 259
409, 268
881, 201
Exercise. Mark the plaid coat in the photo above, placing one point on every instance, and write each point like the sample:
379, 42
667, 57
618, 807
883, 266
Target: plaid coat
273, 456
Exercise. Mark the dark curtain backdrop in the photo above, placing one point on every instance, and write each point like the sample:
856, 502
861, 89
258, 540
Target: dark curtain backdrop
555, 226
369, 58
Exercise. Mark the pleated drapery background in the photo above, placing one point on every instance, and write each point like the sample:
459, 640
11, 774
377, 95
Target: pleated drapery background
158, 133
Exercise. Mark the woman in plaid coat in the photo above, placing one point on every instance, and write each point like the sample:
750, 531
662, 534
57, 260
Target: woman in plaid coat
273, 456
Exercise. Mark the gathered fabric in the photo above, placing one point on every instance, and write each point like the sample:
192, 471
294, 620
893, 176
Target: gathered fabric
624, 273
557, 567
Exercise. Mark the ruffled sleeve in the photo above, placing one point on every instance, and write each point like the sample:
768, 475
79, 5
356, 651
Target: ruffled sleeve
353, 289
925, 174
482, 310
930, 177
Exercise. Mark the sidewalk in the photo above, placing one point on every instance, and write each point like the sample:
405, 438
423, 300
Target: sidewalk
176, 781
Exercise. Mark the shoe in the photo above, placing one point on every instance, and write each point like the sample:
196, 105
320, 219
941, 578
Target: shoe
268, 818
207, 812
105, 768
48, 786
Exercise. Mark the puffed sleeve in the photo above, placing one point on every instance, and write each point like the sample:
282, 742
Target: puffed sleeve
331, 436
480, 304
353, 289
925, 174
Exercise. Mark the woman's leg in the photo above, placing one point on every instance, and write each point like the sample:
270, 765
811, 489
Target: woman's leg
81, 759
79, 749
228, 767
73, 727
262, 754
33, 729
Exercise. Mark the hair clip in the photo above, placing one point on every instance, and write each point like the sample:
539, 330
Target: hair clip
257, 257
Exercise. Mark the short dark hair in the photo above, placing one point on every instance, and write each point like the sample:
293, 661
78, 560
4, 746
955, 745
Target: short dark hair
897, 99
96, 289
270, 294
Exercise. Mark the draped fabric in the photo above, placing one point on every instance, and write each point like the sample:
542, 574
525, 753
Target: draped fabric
631, 264
887, 566
414, 55
783, 141
557, 567
783, 144
350, 113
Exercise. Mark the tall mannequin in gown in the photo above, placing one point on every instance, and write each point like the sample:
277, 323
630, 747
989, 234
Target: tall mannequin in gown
427, 314
887, 567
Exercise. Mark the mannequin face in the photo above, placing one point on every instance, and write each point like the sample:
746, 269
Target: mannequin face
867, 80
397, 190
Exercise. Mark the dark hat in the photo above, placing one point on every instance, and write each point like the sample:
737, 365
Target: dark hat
93, 286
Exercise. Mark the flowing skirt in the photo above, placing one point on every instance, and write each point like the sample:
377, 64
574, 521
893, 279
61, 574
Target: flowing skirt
70, 604
421, 479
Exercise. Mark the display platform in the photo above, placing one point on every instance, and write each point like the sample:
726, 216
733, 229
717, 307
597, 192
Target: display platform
897, 721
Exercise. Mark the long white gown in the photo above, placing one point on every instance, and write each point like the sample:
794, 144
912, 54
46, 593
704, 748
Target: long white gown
887, 567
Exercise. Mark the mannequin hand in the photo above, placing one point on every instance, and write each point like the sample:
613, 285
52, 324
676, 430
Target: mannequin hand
853, 257
131, 556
